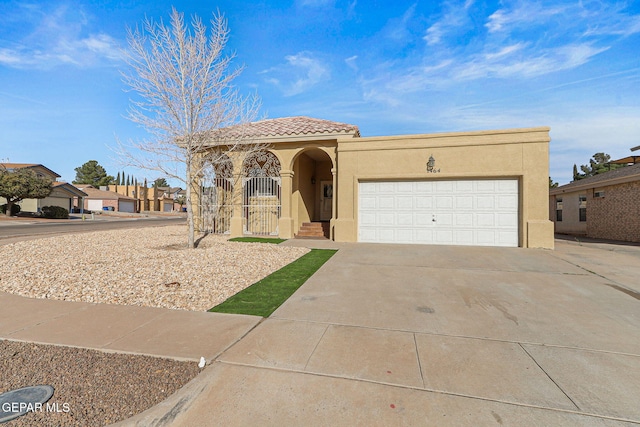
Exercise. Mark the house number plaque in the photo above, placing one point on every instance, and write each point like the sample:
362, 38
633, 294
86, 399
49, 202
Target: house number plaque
431, 165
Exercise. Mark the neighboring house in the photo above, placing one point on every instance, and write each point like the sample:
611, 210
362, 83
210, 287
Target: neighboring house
605, 206
63, 194
161, 199
99, 200
467, 188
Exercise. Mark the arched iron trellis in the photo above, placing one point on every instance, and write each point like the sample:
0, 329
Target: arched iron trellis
261, 193
216, 196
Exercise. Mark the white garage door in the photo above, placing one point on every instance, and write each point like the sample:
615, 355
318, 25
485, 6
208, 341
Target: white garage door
126, 206
94, 205
465, 212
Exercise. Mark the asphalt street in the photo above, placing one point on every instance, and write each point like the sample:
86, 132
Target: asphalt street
14, 230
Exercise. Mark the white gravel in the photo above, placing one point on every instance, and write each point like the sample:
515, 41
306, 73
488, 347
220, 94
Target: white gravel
145, 267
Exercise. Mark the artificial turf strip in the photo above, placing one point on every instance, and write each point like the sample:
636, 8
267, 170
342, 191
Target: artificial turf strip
258, 240
264, 297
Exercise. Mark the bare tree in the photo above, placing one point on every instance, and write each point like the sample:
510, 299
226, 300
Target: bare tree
185, 97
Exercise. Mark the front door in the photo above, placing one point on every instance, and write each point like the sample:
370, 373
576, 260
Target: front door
326, 200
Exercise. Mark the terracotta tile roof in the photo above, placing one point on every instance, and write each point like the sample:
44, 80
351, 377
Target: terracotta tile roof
291, 126
594, 181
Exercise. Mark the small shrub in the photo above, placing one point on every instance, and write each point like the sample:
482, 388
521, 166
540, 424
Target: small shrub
55, 212
15, 209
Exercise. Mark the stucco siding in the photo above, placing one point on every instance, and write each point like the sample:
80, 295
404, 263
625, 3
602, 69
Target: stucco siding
520, 154
616, 215
571, 223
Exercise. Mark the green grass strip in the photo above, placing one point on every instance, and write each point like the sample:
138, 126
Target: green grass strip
258, 240
264, 297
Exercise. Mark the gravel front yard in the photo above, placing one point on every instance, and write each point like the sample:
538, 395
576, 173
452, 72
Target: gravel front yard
92, 388
145, 267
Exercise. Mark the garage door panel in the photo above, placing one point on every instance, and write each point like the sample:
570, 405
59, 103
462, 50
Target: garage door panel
404, 202
443, 187
404, 235
368, 202
404, 187
486, 186
386, 219
507, 186
486, 203
368, 219
463, 186
387, 202
464, 202
464, 220
444, 202
368, 188
507, 202
485, 220
405, 219
444, 237
423, 236
422, 219
423, 202
466, 212
464, 236
423, 187
506, 220
444, 220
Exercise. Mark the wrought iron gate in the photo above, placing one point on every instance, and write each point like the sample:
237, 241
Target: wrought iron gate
216, 198
260, 198
261, 194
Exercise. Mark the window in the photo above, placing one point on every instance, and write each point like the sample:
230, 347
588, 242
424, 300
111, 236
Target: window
558, 209
582, 208
598, 194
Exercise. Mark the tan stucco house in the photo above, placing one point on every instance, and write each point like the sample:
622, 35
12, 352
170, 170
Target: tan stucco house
463, 188
605, 206
63, 194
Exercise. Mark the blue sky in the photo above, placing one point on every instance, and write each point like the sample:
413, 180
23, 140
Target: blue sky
388, 67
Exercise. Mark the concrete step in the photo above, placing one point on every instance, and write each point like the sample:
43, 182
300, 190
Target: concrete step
314, 229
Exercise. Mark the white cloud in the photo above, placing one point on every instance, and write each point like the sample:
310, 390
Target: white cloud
301, 72
455, 18
56, 37
523, 14
351, 62
315, 3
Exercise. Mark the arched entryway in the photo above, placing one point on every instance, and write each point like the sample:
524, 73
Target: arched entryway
216, 196
312, 193
261, 194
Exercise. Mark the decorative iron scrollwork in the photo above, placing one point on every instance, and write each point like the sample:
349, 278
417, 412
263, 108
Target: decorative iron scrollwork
431, 165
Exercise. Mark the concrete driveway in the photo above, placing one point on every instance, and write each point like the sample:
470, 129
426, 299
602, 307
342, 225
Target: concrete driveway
438, 335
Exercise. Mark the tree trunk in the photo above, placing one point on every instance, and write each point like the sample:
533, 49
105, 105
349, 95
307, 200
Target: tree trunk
190, 224
9, 206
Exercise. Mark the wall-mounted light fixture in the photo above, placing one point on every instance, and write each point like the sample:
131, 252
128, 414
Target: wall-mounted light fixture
313, 180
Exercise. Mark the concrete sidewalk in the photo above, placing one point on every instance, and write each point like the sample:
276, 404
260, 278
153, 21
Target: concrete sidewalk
395, 335
175, 334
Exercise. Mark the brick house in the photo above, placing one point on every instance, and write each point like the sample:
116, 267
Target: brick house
98, 200
604, 206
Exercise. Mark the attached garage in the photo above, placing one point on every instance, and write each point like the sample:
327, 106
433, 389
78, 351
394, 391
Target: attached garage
446, 212
484, 188
94, 205
126, 206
